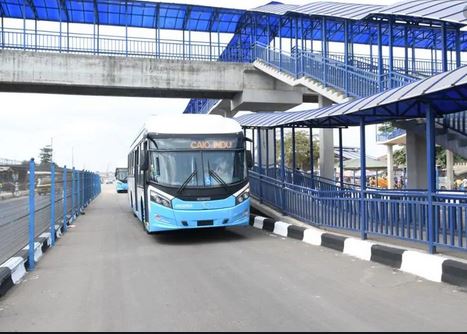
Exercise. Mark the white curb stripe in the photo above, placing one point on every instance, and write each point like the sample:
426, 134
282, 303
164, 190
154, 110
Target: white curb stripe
37, 251
18, 270
312, 236
358, 248
427, 266
258, 222
281, 229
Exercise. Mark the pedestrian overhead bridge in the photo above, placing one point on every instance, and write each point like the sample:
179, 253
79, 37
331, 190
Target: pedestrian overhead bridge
337, 50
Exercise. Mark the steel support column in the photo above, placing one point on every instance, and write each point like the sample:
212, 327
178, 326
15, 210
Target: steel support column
346, 56
391, 53
431, 174
267, 152
341, 159
324, 49
260, 162
283, 170
458, 48
406, 50
363, 215
380, 57
444, 48
294, 158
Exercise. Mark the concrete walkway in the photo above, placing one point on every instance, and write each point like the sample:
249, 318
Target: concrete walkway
106, 274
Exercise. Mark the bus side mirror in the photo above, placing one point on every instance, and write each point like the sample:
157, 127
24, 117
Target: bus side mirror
249, 160
145, 162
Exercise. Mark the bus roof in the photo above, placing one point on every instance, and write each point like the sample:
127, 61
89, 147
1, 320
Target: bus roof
189, 124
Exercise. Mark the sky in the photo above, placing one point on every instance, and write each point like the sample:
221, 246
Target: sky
95, 133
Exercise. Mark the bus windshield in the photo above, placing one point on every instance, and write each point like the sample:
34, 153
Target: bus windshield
121, 174
213, 168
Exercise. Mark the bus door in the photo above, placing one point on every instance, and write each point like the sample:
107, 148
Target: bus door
145, 186
136, 172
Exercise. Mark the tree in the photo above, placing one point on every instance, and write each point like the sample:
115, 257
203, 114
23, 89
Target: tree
46, 155
302, 148
400, 157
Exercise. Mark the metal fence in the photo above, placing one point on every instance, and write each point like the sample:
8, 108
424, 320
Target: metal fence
388, 213
36, 199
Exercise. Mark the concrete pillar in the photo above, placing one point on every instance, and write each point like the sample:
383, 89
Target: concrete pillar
416, 161
449, 169
390, 158
326, 146
264, 150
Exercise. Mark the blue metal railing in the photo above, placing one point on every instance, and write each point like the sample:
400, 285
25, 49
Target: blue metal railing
385, 136
51, 41
351, 80
389, 213
456, 122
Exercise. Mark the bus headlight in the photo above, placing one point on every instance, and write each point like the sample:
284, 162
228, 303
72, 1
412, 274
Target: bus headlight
242, 197
161, 200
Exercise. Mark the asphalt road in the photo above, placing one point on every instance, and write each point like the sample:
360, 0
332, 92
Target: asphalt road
106, 274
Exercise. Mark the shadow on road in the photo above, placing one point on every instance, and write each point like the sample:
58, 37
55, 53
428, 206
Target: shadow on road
201, 236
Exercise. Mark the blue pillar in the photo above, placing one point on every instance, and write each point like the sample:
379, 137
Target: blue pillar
431, 174
294, 160
363, 215
341, 159
65, 226
283, 170
324, 49
280, 42
458, 48
52, 203
275, 153
267, 152
346, 56
253, 146
260, 162
380, 57
406, 50
444, 48
391, 53
32, 212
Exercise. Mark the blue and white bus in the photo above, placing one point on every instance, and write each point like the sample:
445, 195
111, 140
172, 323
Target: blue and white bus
189, 171
121, 180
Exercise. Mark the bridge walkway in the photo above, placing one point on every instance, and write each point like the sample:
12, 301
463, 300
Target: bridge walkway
106, 274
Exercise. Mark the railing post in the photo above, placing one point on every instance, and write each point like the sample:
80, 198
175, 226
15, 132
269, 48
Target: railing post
65, 209
32, 212
431, 174
363, 215
52, 203
294, 156
324, 50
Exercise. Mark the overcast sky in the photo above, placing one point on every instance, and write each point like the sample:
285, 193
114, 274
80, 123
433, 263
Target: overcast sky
101, 129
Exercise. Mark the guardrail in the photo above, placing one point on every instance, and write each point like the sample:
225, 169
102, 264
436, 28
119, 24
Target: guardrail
382, 137
388, 213
38, 198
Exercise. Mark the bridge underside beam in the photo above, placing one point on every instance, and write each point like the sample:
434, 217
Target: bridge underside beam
55, 73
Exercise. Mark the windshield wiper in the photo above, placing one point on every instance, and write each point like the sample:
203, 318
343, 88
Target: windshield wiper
179, 191
219, 179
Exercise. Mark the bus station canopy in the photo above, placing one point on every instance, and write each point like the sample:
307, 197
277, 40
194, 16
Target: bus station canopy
445, 93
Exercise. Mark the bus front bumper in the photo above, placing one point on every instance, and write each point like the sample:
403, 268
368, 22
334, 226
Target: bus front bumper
165, 219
